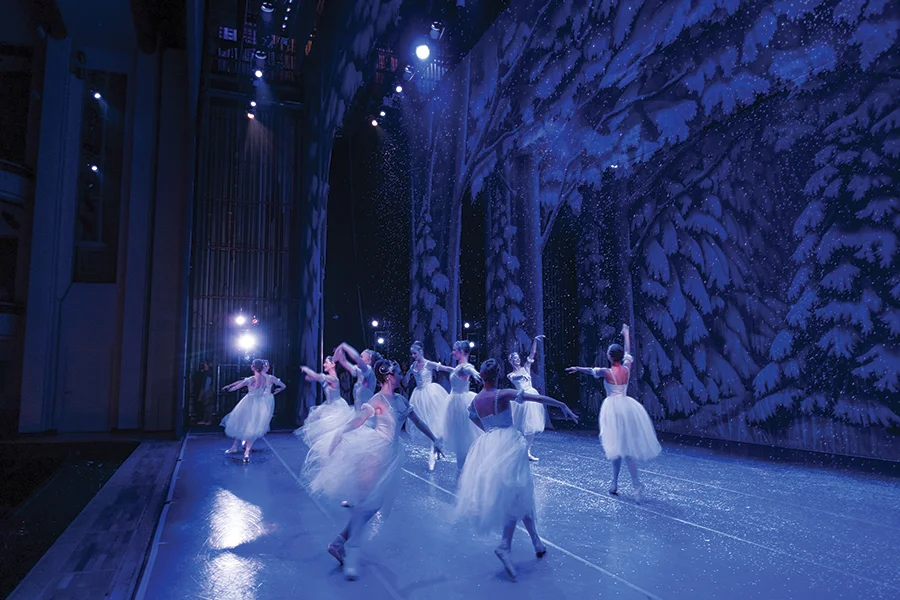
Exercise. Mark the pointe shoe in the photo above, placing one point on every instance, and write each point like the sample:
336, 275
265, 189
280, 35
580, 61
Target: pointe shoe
503, 554
533, 458
346, 504
351, 568
540, 549
231, 451
613, 491
246, 459
336, 549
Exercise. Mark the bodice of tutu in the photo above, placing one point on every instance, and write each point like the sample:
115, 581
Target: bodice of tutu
388, 423
365, 384
614, 389
425, 375
459, 381
498, 420
265, 388
331, 394
521, 380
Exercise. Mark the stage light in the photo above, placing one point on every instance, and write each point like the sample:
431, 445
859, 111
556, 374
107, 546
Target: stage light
253, 103
374, 323
374, 123
437, 28
258, 74
94, 168
614, 166
288, 9
247, 342
260, 54
423, 51
471, 344
250, 115
399, 89
97, 96
254, 321
466, 325
240, 320
382, 113
268, 7
380, 341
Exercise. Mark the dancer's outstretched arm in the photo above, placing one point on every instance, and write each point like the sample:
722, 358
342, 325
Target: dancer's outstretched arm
585, 370
423, 427
313, 376
548, 401
231, 387
471, 371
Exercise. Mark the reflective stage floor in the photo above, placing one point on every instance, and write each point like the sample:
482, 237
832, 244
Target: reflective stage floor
710, 526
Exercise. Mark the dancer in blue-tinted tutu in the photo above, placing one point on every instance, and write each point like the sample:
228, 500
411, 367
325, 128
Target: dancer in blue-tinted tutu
429, 399
249, 419
459, 431
363, 463
360, 369
625, 427
496, 489
334, 412
529, 418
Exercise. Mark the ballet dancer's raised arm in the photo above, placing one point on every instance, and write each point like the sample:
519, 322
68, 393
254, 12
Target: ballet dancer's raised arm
318, 377
534, 348
626, 333
233, 387
423, 427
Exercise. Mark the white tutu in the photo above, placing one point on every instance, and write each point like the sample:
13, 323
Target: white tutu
249, 420
496, 484
363, 469
626, 429
459, 431
528, 417
430, 403
323, 419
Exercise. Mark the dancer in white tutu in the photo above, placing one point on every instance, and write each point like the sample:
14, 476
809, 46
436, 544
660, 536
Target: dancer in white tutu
363, 463
459, 431
249, 419
626, 430
333, 413
360, 369
496, 488
529, 416
429, 399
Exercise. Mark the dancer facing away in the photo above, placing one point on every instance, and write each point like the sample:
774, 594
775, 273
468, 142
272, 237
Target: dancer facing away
363, 463
496, 487
361, 370
459, 431
333, 413
249, 419
529, 416
429, 399
625, 427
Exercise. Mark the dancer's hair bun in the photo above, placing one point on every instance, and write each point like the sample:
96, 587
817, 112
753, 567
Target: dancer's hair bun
490, 370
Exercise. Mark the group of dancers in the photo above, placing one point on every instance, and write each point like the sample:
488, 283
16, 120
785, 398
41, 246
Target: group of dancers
356, 453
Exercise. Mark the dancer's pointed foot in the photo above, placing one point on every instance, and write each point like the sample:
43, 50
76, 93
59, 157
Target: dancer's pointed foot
351, 569
532, 458
246, 458
613, 491
540, 549
231, 451
346, 503
503, 554
336, 549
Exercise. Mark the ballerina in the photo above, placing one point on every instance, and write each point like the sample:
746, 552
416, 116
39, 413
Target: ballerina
626, 430
363, 463
249, 419
459, 431
528, 417
496, 488
360, 369
334, 412
429, 399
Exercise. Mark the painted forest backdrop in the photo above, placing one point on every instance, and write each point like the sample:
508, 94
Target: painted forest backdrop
731, 168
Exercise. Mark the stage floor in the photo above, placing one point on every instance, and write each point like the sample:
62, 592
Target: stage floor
710, 526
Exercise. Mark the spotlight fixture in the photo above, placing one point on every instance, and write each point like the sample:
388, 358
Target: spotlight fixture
258, 74
253, 103
423, 51
408, 73
374, 123
250, 115
288, 9
268, 7
94, 168
260, 54
374, 323
466, 325
380, 341
399, 89
437, 28
471, 344
246, 342
240, 320
382, 114
97, 96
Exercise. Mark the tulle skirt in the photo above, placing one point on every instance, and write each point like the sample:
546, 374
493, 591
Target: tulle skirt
626, 429
363, 469
528, 417
496, 484
430, 403
249, 420
324, 419
459, 431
